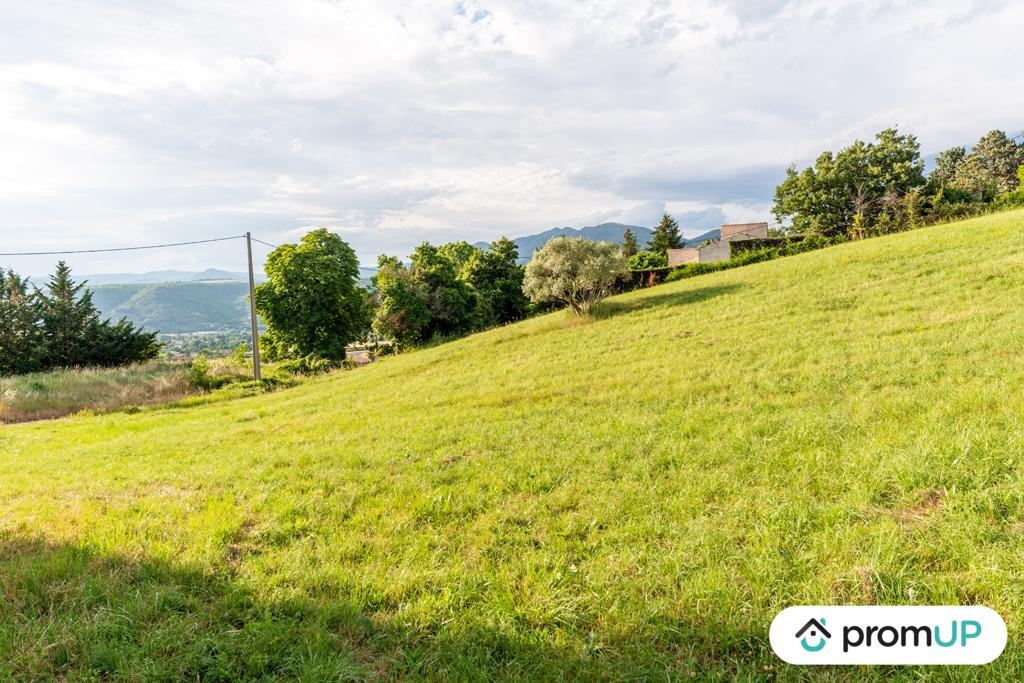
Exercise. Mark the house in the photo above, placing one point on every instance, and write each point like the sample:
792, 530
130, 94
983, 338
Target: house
718, 250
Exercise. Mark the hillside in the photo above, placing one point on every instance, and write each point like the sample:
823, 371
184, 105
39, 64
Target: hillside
180, 307
177, 307
632, 496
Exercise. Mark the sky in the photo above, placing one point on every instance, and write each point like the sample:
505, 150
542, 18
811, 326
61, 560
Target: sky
126, 123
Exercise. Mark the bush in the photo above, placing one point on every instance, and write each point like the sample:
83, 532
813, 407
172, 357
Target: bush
647, 260
1009, 200
308, 365
239, 357
199, 373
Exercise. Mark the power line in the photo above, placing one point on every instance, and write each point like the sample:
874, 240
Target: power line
272, 246
99, 251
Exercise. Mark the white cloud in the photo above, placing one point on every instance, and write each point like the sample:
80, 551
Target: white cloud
395, 122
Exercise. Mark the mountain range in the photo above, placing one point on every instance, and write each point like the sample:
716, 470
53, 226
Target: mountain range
605, 232
156, 276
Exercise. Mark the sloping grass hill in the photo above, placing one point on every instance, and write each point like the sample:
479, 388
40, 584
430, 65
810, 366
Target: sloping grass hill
633, 496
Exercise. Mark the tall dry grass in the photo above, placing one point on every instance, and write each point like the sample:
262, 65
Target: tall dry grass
44, 395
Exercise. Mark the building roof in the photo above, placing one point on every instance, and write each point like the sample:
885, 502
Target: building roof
751, 229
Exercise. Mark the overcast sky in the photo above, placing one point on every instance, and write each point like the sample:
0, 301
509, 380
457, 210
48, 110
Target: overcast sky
128, 123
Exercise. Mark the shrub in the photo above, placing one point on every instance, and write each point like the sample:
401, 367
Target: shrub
201, 376
1009, 200
308, 365
647, 260
239, 356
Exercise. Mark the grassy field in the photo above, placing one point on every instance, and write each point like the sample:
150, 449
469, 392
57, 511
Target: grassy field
632, 496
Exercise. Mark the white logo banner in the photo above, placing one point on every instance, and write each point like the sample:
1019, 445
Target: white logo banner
888, 635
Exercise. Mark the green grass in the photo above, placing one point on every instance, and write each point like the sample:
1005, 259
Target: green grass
632, 496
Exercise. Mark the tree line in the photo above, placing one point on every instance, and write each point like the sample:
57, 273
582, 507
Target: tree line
59, 327
313, 306
877, 187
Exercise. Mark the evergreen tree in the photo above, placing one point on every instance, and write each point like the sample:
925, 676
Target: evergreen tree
666, 236
69, 321
59, 327
629, 244
20, 334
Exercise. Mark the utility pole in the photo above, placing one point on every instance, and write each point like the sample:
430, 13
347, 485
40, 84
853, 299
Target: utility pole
252, 311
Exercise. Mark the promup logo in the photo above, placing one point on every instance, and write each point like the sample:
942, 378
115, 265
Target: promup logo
888, 635
817, 629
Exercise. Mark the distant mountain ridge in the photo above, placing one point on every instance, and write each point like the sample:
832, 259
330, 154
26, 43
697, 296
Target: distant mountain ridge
605, 232
159, 276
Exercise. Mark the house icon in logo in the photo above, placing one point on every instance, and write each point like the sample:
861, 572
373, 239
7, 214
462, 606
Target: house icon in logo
817, 630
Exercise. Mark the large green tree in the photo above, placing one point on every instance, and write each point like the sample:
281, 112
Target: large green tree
460, 254
947, 164
311, 302
574, 272
448, 291
666, 236
857, 185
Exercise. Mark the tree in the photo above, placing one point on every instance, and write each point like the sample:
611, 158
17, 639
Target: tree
666, 236
402, 311
448, 291
947, 163
20, 334
452, 302
990, 168
460, 254
311, 302
497, 277
121, 343
865, 180
574, 271
59, 327
69, 321
630, 246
